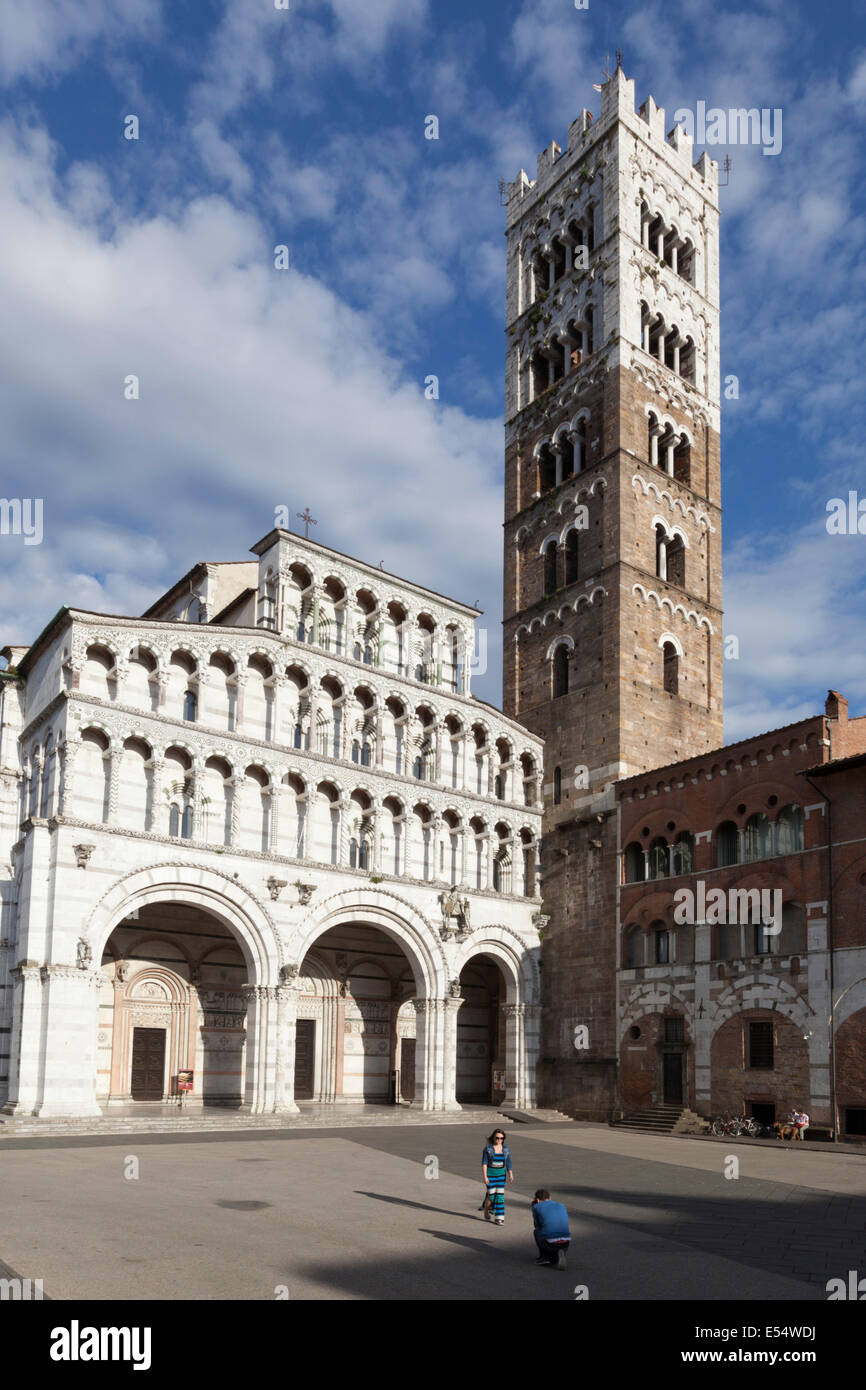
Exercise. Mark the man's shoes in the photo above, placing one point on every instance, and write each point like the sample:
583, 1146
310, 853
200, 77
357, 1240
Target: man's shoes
500, 1220
560, 1258
542, 1260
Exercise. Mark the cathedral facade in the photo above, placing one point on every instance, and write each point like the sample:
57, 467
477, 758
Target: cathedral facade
262, 845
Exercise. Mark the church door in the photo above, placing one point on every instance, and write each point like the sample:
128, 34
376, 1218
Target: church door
407, 1069
305, 1052
148, 1064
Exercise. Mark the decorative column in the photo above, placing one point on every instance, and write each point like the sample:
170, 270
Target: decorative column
380, 749
115, 755
67, 752
278, 686
451, 1007
490, 842
428, 1052
236, 784
240, 687
278, 800
436, 875
194, 795
343, 808
437, 753
263, 1042
284, 1067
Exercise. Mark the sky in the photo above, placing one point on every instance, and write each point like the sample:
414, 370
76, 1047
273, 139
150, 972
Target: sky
261, 388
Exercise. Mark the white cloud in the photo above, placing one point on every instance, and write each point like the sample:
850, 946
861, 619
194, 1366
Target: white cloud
45, 37
258, 389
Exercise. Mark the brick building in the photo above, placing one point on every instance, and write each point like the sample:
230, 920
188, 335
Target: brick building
718, 1008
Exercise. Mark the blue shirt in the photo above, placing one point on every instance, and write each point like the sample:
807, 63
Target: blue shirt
490, 1153
551, 1220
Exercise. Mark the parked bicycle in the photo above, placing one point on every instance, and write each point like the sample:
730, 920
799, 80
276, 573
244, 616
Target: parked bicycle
737, 1125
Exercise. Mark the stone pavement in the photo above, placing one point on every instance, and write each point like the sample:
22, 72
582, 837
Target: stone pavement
352, 1214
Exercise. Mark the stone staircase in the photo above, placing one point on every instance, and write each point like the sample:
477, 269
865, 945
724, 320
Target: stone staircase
661, 1119
338, 1117
537, 1117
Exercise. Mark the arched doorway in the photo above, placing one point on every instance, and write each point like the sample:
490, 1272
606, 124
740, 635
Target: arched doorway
173, 1000
481, 1033
356, 1022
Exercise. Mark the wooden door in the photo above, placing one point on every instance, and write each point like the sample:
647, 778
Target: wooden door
407, 1069
305, 1056
148, 1064
672, 1063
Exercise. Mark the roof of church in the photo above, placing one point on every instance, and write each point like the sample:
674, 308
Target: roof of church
267, 541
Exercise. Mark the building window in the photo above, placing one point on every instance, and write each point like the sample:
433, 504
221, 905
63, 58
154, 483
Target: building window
673, 1030
189, 706
174, 821
560, 671
659, 859
635, 864
571, 566
499, 787
550, 566
761, 1046
298, 736
759, 839
633, 948
684, 853
727, 845
763, 939
662, 952
671, 668
789, 830
557, 785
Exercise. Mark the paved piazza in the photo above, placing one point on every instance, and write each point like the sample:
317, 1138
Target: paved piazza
349, 1214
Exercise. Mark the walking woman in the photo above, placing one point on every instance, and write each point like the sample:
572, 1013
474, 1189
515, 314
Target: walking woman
495, 1163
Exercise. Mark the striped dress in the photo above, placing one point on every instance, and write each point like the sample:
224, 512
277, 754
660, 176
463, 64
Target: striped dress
496, 1173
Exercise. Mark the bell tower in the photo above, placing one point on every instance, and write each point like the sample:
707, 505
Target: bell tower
612, 604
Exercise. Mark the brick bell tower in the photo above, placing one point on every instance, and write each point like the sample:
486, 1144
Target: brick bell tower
613, 578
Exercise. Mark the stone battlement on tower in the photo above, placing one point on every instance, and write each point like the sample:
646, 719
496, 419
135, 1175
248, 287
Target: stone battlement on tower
648, 122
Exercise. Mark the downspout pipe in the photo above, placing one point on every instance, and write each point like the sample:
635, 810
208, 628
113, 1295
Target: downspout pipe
830, 948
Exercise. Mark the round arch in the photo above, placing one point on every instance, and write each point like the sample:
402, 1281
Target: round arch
208, 890
392, 915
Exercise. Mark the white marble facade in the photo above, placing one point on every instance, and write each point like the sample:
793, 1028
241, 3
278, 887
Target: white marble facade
267, 813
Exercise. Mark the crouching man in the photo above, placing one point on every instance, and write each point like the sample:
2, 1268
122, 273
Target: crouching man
552, 1235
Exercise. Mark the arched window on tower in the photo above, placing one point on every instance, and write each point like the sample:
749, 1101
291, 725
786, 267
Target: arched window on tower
546, 468
671, 668
676, 562
560, 671
550, 567
580, 445
571, 566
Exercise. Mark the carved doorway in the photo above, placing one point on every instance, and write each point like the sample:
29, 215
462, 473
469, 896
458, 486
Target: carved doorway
148, 1064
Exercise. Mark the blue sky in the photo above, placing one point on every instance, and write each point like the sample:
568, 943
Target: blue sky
261, 388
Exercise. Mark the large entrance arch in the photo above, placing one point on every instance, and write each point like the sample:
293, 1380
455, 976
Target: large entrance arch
372, 997
174, 1000
497, 1033
357, 1022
